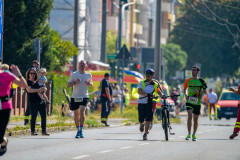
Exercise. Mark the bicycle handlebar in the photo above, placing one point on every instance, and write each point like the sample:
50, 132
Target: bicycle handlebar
165, 97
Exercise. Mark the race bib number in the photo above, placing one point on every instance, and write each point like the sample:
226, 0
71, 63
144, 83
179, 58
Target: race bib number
193, 100
78, 99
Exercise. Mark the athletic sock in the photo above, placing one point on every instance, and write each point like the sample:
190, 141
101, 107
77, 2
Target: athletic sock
81, 127
78, 128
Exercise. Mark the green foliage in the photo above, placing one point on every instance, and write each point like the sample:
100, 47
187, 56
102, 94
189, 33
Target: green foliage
24, 21
57, 52
111, 42
59, 83
175, 58
205, 41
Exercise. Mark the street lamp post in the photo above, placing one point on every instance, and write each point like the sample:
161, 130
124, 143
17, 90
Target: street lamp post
121, 12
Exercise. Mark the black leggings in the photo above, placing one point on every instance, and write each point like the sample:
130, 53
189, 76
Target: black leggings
4, 119
35, 107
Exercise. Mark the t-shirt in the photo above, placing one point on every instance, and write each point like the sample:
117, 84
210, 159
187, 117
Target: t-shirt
33, 97
191, 84
6, 79
80, 90
116, 94
149, 88
98, 93
212, 97
105, 84
44, 78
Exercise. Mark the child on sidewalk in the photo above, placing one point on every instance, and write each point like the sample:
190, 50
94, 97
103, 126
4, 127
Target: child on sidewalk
41, 81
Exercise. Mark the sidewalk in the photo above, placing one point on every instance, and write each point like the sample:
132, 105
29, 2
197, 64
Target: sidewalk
112, 122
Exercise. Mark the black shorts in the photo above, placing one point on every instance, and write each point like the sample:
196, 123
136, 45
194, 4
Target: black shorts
195, 108
145, 112
75, 105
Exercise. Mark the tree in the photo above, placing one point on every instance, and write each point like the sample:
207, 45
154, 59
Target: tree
198, 32
23, 22
111, 42
175, 58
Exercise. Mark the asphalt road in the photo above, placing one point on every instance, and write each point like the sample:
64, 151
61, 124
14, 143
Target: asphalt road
125, 143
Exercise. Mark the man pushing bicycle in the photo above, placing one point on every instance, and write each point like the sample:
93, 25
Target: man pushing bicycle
146, 89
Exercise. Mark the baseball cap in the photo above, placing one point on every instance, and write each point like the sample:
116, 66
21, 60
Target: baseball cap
106, 75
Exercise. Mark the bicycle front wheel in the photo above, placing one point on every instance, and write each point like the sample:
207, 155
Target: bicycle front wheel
165, 124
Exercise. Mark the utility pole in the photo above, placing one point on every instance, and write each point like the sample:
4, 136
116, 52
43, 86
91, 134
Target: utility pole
157, 54
103, 39
75, 36
131, 25
2, 26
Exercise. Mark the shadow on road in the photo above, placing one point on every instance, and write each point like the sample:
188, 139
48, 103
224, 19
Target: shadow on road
125, 140
216, 139
47, 138
121, 133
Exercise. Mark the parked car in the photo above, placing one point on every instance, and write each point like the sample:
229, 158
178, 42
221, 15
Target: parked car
228, 104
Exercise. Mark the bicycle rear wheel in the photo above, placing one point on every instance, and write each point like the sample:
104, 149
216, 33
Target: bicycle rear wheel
165, 124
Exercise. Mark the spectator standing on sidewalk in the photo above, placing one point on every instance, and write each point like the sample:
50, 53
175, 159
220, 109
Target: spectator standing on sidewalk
98, 102
117, 97
212, 104
80, 80
237, 125
34, 101
36, 65
6, 80
106, 98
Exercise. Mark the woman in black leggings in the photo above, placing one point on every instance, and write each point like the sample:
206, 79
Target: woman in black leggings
6, 79
34, 100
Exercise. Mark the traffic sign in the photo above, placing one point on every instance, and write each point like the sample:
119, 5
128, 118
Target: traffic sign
124, 53
111, 56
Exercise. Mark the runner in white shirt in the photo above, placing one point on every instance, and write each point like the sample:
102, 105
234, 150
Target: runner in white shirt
80, 80
212, 100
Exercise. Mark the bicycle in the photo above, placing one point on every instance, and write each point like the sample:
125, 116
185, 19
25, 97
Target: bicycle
165, 117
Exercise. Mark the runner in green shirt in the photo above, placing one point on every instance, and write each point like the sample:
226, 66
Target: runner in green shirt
194, 87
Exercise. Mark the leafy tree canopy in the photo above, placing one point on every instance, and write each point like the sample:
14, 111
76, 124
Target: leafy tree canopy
207, 31
24, 21
175, 59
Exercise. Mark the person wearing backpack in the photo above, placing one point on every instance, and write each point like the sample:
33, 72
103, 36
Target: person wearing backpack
146, 88
194, 87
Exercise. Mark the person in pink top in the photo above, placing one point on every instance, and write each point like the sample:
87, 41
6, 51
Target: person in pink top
6, 80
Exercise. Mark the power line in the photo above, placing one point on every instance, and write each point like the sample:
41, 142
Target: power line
222, 4
201, 27
235, 37
201, 34
225, 20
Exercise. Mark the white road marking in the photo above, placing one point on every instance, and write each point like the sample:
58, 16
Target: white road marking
106, 151
143, 144
127, 147
82, 156
171, 138
200, 132
181, 136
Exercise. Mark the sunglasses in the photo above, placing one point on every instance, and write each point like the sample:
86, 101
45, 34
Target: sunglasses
148, 75
32, 73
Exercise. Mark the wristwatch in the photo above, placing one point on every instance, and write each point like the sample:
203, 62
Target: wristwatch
20, 76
